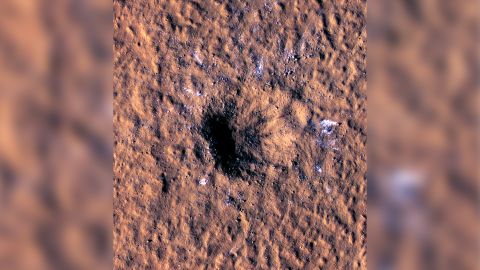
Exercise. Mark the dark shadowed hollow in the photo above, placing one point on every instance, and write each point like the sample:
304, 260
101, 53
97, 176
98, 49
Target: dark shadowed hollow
218, 132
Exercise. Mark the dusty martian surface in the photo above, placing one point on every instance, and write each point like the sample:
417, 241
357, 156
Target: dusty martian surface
239, 134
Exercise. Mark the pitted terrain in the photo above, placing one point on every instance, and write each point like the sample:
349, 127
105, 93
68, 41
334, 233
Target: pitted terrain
240, 135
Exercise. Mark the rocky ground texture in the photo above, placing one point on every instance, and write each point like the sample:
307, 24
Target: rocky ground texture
239, 134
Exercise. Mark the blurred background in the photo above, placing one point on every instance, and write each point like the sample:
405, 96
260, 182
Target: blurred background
55, 134
423, 160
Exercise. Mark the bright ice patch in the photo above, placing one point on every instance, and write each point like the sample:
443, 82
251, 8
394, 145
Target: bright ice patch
203, 181
327, 126
318, 168
326, 131
259, 67
328, 190
197, 59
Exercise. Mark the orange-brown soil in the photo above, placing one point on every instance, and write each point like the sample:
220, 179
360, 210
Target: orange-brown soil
239, 135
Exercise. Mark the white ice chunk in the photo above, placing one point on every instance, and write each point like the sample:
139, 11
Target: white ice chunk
259, 67
197, 58
328, 190
203, 181
327, 126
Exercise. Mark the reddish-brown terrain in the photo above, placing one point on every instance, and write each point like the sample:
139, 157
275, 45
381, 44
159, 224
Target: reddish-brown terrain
239, 135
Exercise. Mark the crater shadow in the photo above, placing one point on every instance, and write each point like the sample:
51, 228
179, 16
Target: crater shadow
220, 134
